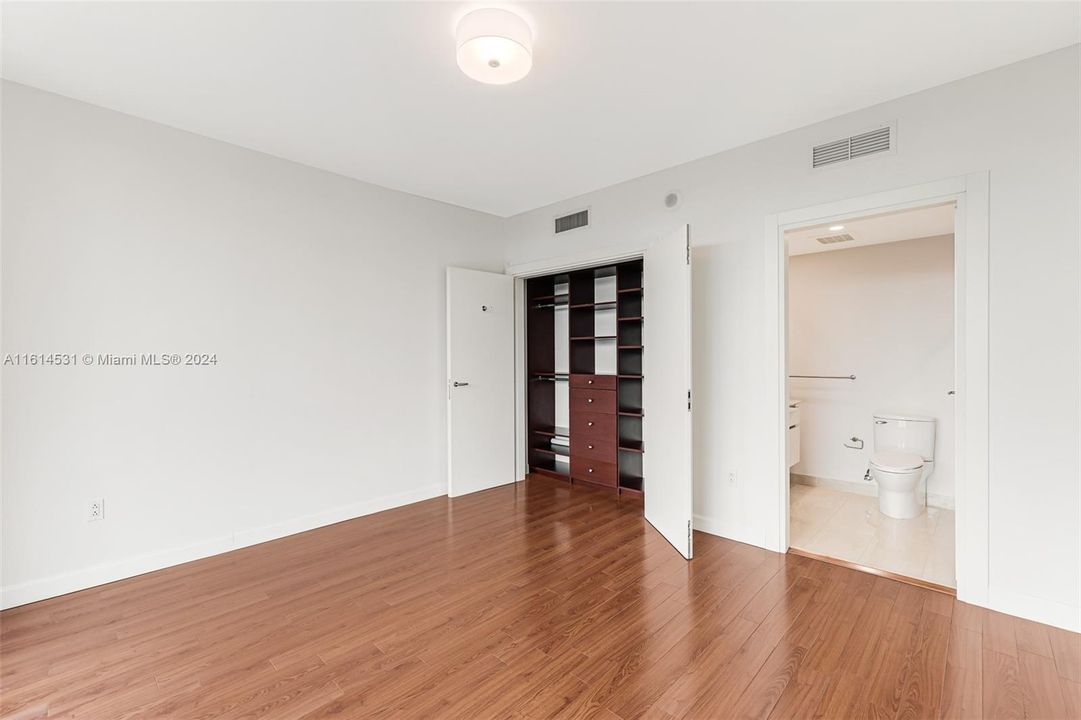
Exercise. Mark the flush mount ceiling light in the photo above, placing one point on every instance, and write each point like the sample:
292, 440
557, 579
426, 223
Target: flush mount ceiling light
494, 46
836, 228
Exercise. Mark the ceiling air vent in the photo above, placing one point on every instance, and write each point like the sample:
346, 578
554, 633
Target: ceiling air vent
572, 221
867, 143
830, 239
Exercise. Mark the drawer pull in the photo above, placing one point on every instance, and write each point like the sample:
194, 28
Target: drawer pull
590, 470
589, 382
589, 400
590, 423
590, 447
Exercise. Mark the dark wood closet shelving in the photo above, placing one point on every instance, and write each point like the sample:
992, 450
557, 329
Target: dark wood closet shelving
551, 431
598, 388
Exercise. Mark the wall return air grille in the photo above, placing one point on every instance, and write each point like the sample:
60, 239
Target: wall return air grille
867, 143
572, 221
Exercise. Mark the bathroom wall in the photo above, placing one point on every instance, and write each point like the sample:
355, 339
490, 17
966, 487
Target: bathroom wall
883, 313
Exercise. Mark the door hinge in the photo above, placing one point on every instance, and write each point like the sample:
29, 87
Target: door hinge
689, 537
688, 399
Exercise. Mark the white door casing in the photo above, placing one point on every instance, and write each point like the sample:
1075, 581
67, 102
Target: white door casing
480, 380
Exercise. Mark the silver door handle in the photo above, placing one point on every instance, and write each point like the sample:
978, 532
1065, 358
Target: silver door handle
952, 392
880, 422
459, 384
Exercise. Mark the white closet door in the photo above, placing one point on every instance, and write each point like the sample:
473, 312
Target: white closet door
666, 388
480, 380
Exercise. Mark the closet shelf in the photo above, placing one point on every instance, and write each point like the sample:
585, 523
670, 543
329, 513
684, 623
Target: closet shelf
549, 451
628, 347
636, 318
552, 431
630, 290
634, 446
594, 337
632, 413
549, 473
630, 377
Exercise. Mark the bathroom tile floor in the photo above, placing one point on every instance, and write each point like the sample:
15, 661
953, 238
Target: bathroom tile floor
849, 527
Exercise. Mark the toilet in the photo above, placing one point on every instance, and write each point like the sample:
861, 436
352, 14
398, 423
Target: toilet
903, 458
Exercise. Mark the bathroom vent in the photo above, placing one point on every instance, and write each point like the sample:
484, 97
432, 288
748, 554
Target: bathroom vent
831, 239
572, 221
849, 148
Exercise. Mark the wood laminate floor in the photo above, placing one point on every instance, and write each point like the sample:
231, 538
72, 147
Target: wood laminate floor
532, 601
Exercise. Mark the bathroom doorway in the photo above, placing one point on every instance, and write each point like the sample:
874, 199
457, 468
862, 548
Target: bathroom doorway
871, 356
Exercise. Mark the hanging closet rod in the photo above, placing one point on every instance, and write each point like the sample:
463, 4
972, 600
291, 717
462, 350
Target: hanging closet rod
825, 377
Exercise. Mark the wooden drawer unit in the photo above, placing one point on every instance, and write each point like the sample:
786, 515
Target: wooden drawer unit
598, 472
585, 446
598, 401
596, 382
599, 426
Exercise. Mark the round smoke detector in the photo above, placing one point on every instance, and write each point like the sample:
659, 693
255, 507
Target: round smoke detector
672, 200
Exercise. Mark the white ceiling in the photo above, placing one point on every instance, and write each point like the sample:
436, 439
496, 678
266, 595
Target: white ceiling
875, 229
618, 90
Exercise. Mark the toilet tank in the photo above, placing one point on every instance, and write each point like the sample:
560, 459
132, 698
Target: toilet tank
906, 433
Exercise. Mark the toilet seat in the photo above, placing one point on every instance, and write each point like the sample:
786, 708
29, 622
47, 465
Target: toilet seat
896, 462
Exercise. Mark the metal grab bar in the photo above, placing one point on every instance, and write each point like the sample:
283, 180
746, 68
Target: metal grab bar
825, 377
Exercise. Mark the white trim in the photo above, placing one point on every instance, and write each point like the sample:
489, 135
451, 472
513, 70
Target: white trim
970, 193
521, 460
867, 489
712, 526
43, 588
567, 263
1037, 609
521, 272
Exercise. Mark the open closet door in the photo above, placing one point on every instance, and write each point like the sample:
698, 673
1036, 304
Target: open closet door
666, 367
480, 380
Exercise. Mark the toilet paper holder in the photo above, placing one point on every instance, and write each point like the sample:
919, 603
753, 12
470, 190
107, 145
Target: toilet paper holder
857, 443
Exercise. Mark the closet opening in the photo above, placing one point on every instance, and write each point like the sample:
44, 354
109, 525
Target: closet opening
584, 389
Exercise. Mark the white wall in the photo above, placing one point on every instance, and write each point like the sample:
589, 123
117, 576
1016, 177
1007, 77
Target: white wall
883, 313
1020, 123
323, 298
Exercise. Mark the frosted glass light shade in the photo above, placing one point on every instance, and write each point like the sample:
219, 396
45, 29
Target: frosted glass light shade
494, 46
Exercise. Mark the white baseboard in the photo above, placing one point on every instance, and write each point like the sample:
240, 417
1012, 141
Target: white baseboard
713, 527
43, 588
1037, 609
865, 488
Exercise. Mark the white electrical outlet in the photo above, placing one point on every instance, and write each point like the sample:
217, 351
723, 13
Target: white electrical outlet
95, 509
